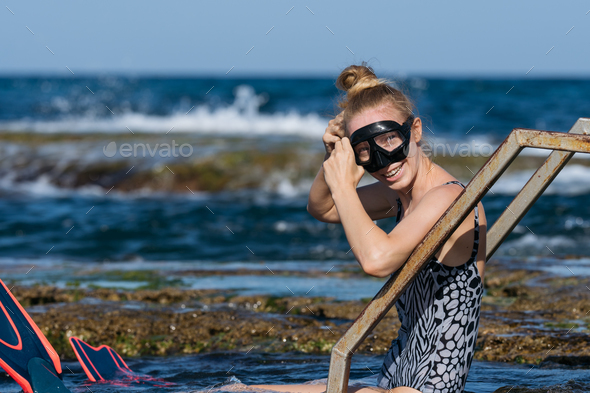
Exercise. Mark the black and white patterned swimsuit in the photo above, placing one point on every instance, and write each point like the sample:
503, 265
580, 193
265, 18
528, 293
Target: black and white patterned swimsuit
439, 315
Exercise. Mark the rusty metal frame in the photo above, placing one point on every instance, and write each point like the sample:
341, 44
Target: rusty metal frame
564, 145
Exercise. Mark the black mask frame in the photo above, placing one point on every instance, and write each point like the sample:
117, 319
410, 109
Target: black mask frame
379, 157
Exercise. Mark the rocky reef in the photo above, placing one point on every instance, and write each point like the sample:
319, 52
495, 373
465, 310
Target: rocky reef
527, 317
149, 164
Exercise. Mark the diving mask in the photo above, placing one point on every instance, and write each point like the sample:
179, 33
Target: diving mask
382, 143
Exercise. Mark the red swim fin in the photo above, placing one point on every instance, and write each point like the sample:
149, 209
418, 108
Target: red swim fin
99, 364
24, 350
103, 364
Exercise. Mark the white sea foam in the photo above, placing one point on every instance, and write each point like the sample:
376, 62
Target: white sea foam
242, 118
542, 245
42, 186
572, 180
537, 242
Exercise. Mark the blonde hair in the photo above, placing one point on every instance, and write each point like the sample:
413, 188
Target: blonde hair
363, 90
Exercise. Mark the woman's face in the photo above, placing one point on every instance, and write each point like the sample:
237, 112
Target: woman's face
398, 175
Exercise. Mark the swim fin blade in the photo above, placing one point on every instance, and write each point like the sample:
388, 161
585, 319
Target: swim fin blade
104, 364
25, 353
44, 378
101, 363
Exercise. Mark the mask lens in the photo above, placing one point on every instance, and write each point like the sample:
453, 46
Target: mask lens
389, 141
363, 151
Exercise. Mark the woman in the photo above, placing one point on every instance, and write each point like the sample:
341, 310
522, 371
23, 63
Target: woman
439, 311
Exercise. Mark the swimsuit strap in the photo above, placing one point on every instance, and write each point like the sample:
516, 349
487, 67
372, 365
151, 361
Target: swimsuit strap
476, 221
475, 227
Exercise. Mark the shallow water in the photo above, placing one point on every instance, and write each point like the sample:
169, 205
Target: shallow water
204, 372
175, 228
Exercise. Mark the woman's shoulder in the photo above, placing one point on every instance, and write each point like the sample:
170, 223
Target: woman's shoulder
445, 191
447, 185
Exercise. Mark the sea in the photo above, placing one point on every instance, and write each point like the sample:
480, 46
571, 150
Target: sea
53, 129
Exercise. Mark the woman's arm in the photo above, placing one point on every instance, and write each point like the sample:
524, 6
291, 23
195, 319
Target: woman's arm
320, 203
381, 254
373, 197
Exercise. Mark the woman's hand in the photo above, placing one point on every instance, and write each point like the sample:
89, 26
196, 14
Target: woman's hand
340, 169
334, 132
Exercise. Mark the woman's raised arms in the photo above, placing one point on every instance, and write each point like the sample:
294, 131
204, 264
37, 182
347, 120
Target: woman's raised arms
376, 198
378, 201
379, 253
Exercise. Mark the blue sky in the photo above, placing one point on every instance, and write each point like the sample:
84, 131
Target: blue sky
430, 38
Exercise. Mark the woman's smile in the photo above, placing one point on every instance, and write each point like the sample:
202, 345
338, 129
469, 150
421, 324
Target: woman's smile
394, 174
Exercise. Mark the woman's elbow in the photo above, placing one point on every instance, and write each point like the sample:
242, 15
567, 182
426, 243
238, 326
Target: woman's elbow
377, 267
314, 213
377, 272
325, 217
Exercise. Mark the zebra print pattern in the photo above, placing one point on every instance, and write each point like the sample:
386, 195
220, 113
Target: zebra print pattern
439, 315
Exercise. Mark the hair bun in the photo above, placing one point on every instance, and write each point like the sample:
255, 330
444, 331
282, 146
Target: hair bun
356, 78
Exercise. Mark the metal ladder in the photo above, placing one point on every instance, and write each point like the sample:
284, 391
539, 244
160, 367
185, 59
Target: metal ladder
564, 145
